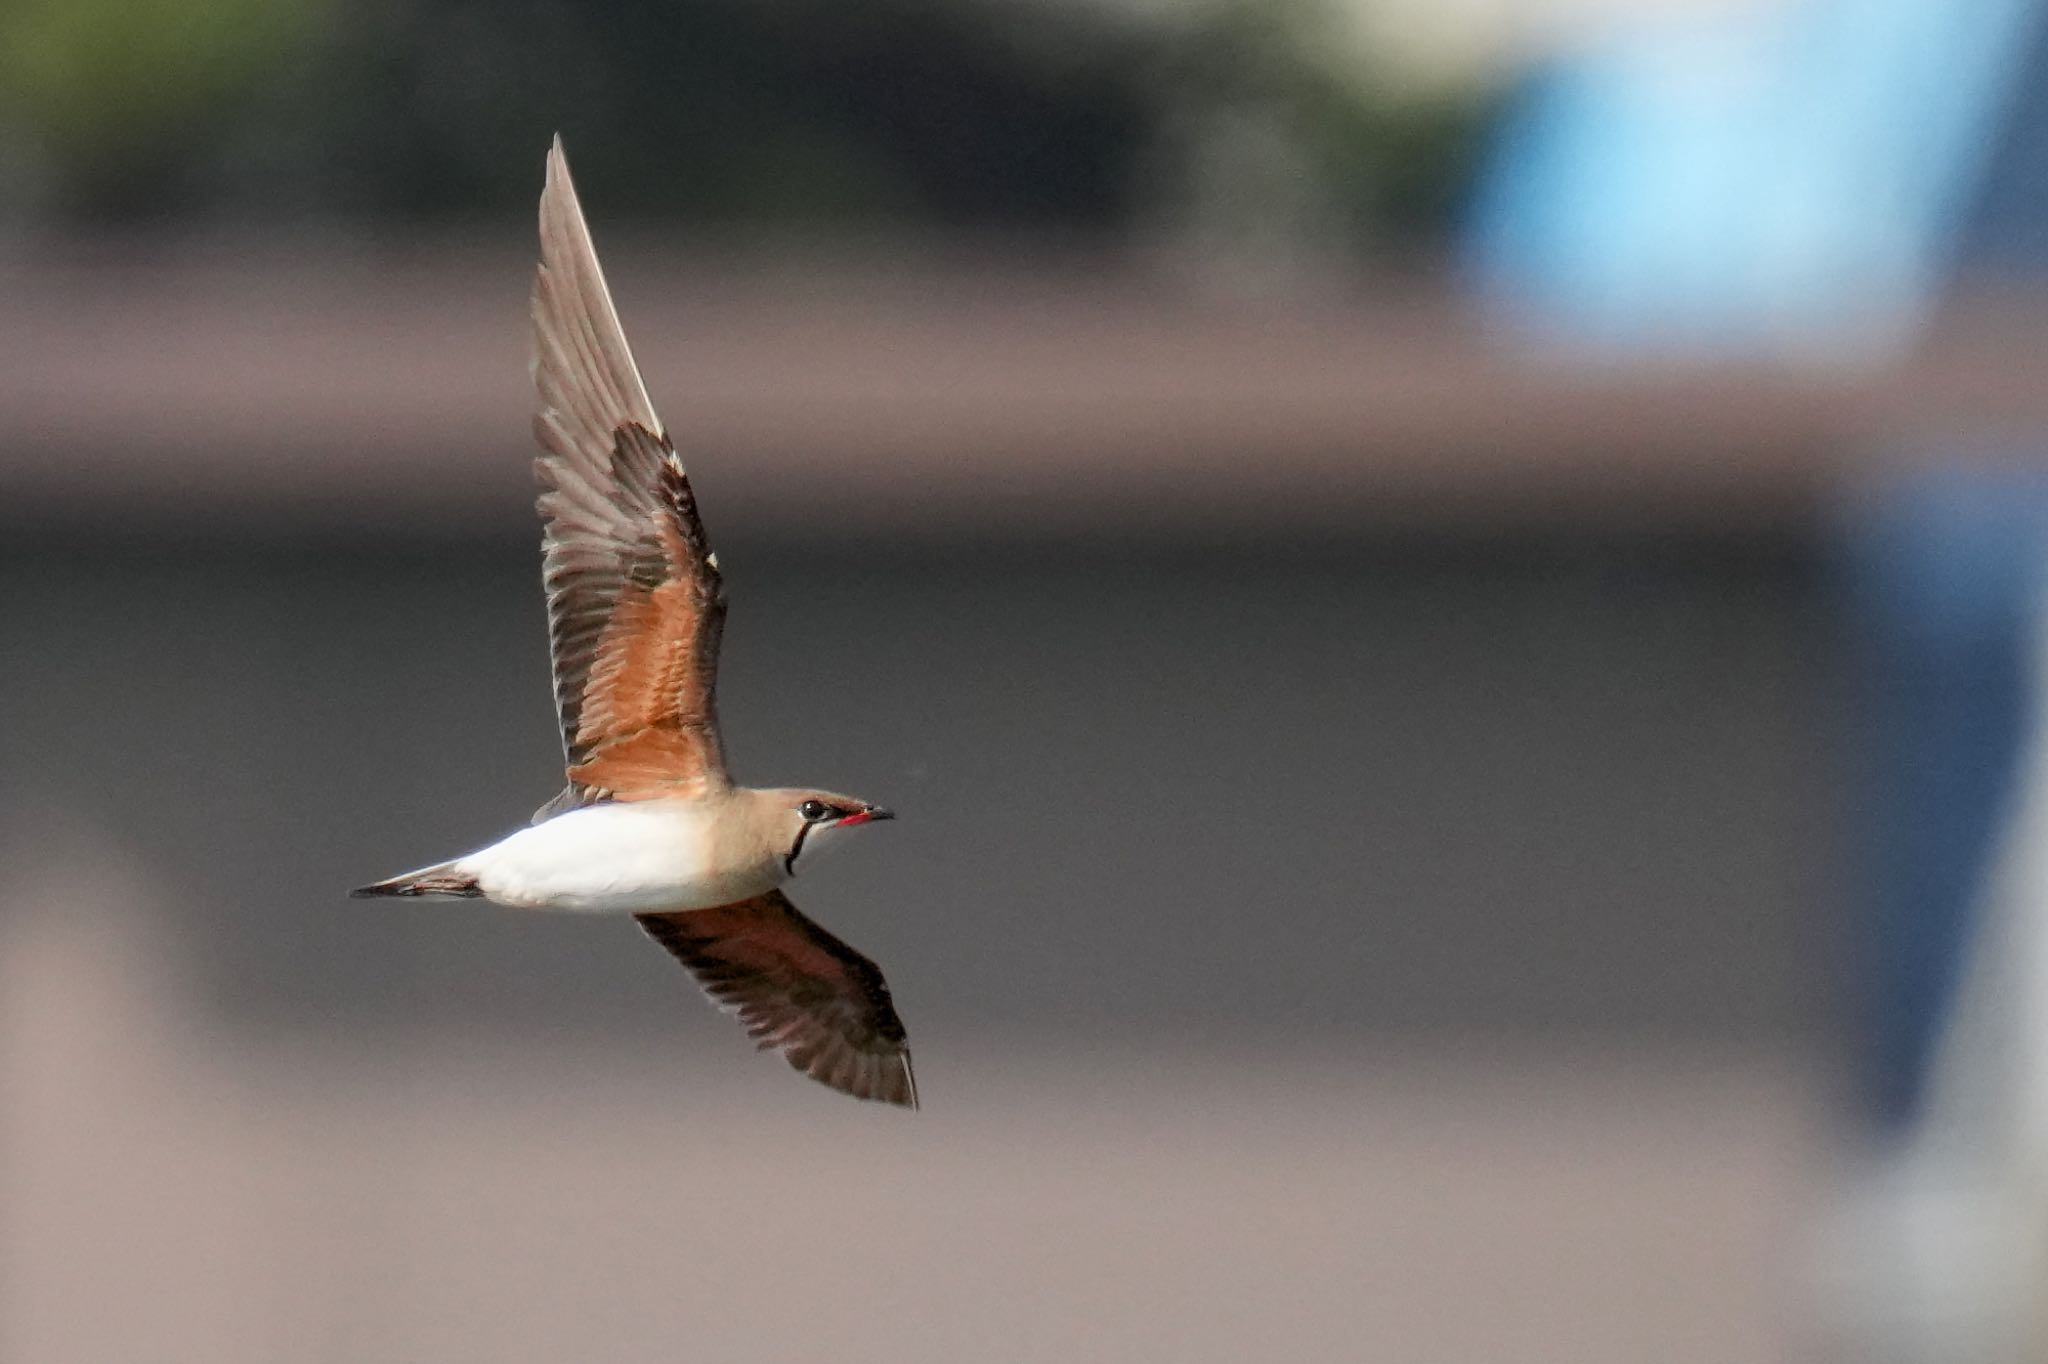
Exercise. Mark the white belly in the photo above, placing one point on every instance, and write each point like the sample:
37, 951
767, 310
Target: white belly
625, 858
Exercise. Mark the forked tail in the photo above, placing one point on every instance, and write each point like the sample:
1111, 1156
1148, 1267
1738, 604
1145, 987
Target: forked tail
443, 881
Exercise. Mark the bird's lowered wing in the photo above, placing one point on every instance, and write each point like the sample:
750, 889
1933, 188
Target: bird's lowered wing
635, 603
798, 989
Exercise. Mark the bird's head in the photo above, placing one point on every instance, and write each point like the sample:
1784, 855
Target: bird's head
800, 820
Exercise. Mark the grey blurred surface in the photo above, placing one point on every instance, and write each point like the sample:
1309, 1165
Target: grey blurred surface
910, 392
1361, 935
180, 1189
1204, 794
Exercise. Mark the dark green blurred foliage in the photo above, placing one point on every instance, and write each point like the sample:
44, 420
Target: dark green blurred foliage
806, 115
730, 111
1384, 164
119, 95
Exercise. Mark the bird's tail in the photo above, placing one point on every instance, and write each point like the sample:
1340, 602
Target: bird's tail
442, 881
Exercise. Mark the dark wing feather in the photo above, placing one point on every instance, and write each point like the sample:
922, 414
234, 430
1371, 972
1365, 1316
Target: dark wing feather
635, 602
798, 989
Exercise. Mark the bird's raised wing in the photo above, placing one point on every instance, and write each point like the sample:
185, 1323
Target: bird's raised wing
798, 989
635, 603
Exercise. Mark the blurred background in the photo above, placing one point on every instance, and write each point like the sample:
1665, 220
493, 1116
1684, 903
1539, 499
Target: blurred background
1448, 592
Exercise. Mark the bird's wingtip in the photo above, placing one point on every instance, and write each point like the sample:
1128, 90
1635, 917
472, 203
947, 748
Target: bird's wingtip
909, 1099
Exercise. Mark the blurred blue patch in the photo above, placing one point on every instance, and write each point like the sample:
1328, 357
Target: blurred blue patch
1943, 572
1791, 178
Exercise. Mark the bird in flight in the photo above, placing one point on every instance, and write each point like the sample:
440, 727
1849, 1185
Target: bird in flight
650, 823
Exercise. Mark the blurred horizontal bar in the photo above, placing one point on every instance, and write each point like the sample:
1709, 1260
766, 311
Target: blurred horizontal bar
953, 396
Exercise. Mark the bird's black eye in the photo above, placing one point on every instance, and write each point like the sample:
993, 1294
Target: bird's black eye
814, 810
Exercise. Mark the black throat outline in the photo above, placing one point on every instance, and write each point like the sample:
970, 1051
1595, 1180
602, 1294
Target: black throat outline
789, 858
